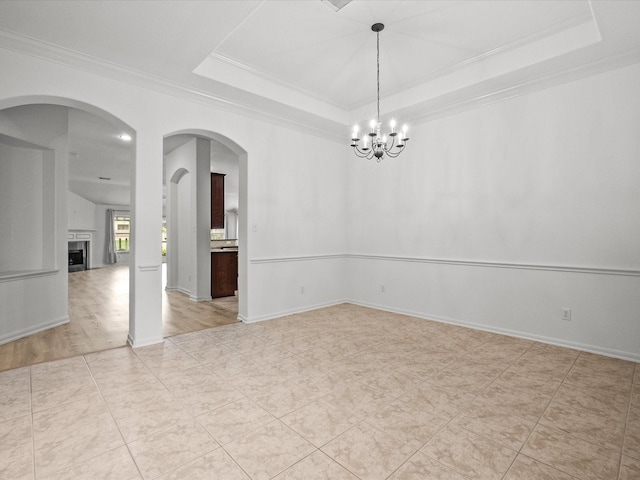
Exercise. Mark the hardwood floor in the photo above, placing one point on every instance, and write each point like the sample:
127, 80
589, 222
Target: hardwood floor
99, 319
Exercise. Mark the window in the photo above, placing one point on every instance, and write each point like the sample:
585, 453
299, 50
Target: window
164, 237
217, 234
122, 228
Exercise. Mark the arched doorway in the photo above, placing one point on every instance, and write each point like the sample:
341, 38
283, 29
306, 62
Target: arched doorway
33, 124
236, 218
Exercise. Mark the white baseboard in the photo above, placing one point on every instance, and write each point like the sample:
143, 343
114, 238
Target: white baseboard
199, 299
145, 342
12, 336
634, 357
178, 289
292, 311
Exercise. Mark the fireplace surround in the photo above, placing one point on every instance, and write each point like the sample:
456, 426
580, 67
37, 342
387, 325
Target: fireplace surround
79, 248
78, 256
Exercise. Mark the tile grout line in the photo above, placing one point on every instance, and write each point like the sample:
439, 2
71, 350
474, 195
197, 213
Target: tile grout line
626, 423
106, 404
445, 425
464, 410
194, 417
235, 461
525, 441
518, 452
33, 432
545, 409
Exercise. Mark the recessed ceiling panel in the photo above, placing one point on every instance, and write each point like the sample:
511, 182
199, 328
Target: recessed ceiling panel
332, 56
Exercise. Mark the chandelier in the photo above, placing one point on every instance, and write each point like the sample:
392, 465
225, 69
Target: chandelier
374, 143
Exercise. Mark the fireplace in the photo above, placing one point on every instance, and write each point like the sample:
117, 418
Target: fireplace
78, 256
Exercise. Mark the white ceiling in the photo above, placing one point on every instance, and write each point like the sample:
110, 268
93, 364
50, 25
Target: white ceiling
302, 61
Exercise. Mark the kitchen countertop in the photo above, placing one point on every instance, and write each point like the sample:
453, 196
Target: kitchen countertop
224, 249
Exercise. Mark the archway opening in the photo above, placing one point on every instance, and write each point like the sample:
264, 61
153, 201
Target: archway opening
80, 161
203, 153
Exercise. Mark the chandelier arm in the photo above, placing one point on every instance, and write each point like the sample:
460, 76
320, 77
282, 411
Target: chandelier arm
393, 142
357, 151
361, 153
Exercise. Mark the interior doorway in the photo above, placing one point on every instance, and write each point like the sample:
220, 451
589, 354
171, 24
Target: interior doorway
187, 259
66, 161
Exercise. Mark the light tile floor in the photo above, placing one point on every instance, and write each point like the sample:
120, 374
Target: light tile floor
339, 393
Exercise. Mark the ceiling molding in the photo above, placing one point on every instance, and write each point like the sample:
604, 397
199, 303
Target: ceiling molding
557, 39
236, 64
495, 94
450, 90
574, 27
45, 51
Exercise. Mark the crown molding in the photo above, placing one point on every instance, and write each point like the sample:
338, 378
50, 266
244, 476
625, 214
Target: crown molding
295, 119
267, 77
485, 93
568, 29
499, 90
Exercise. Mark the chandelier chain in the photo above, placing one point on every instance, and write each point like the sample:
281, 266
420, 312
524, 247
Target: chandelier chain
378, 70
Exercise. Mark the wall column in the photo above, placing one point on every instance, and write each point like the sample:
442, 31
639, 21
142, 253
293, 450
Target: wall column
201, 221
145, 267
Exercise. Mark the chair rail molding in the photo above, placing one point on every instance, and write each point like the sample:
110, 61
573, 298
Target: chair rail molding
589, 270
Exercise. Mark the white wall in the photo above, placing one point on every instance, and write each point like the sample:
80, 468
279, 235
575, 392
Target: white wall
455, 227
298, 224
22, 209
185, 267
35, 300
201, 221
179, 167
82, 213
293, 185
550, 178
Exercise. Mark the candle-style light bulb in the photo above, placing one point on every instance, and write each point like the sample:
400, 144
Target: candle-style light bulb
372, 124
392, 124
404, 132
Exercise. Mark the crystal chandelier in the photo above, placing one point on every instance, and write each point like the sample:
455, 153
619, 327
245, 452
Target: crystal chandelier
374, 143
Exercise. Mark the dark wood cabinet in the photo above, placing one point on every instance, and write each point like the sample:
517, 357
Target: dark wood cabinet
217, 200
224, 273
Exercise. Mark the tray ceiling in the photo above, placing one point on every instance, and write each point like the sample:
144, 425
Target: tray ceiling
308, 62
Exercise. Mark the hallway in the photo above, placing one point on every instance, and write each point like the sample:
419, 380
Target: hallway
99, 319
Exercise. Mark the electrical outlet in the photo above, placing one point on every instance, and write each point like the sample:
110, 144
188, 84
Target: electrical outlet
566, 314
381, 288
301, 290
